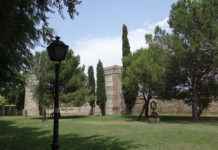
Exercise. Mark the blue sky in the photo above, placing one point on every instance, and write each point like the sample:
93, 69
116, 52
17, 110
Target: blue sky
96, 32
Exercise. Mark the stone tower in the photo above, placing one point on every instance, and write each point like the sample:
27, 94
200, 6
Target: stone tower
115, 103
31, 107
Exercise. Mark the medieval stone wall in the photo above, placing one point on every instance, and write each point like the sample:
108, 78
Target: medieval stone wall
113, 92
115, 103
175, 107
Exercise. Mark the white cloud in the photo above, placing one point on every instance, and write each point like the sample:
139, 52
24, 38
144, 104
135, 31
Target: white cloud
108, 49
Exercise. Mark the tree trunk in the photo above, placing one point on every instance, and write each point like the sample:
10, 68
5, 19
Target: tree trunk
92, 110
128, 110
103, 111
195, 112
199, 113
44, 118
147, 108
147, 100
142, 112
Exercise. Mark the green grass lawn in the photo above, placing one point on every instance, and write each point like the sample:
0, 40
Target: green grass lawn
110, 133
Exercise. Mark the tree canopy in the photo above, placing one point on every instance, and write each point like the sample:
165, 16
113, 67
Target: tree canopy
91, 86
24, 23
147, 70
193, 49
101, 93
73, 81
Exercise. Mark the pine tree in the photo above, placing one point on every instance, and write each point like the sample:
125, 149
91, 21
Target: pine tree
194, 26
101, 93
129, 90
72, 79
91, 86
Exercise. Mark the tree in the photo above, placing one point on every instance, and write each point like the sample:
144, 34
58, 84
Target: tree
91, 86
194, 48
129, 89
147, 69
101, 93
125, 42
23, 24
15, 91
3, 101
42, 68
73, 81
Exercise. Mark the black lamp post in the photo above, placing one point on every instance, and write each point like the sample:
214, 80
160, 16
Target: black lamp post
57, 51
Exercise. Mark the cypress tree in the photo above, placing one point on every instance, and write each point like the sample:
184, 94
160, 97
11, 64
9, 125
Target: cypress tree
91, 86
101, 93
125, 44
129, 89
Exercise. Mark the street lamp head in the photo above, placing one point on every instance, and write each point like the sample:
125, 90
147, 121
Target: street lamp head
57, 50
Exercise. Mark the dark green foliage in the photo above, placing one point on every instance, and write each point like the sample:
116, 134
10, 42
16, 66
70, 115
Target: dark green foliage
125, 45
101, 93
194, 49
23, 24
3, 101
78, 97
15, 91
91, 86
130, 92
43, 69
91, 79
72, 80
213, 87
129, 88
147, 70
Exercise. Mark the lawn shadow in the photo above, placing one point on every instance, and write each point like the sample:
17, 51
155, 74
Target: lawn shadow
95, 142
213, 120
64, 117
188, 119
13, 137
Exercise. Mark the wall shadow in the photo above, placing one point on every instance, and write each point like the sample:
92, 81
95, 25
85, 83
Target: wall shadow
26, 138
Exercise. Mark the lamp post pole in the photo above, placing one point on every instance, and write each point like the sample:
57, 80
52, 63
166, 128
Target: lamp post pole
57, 51
55, 143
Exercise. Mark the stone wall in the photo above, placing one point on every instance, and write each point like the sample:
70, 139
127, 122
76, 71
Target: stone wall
31, 107
115, 103
69, 111
175, 107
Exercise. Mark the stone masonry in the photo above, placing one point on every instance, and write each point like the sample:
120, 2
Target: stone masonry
31, 107
115, 103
